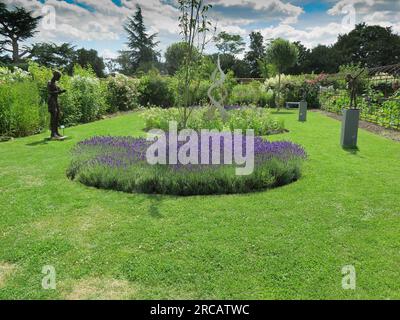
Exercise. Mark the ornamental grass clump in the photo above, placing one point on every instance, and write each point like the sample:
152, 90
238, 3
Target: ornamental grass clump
119, 163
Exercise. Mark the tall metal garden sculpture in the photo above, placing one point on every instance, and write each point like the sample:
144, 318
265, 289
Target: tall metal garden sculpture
352, 85
351, 116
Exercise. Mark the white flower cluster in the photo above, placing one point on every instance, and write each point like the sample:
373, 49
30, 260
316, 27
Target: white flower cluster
6, 75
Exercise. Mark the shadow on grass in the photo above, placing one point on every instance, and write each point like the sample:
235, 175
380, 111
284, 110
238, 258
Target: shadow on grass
46, 141
39, 143
154, 208
350, 150
283, 112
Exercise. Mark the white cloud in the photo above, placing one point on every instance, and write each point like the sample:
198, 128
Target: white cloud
108, 54
285, 11
310, 37
105, 22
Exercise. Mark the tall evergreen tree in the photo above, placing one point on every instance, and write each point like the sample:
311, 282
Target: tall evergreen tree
141, 45
16, 26
255, 54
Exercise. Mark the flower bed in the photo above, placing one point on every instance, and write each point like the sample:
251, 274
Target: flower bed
119, 163
238, 117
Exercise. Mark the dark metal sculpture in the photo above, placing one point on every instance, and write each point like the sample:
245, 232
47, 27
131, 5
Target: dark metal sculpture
352, 84
53, 106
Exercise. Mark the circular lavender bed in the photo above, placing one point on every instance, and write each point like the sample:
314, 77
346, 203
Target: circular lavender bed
120, 163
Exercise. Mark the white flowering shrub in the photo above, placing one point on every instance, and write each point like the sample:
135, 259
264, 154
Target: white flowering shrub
15, 75
122, 93
84, 101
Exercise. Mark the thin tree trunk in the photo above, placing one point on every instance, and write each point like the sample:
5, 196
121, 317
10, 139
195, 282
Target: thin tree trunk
279, 91
15, 49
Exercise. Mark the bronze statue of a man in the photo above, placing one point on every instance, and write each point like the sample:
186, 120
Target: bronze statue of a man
54, 107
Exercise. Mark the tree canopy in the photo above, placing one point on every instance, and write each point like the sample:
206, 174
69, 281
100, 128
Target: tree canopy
53, 55
16, 26
282, 55
255, 54
371, 46
64, 57
229, 43
175, 56
90, 58
141, 45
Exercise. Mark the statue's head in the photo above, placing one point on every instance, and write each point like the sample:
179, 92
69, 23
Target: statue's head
349, 77
56, 75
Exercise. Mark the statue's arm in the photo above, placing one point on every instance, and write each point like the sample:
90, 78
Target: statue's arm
56, 90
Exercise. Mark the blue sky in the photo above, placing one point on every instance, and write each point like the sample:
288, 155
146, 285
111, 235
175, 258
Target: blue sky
97, 24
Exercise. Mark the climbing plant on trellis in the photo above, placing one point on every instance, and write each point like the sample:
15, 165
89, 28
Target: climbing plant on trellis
378, 95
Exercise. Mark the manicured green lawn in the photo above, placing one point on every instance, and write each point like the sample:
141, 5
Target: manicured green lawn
290, 242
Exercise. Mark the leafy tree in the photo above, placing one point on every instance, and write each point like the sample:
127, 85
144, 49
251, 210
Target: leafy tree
369, 45
5, 60
303, 59
65, 56
227, 61
124, 63
229, 43
52, 55
255, 54
16, 26
323, 59
86, 58
282, 55
240, 68
141, 45
175, 56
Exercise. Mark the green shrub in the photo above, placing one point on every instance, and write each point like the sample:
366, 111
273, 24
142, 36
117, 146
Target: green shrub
22, 111
259, 119
84, 101
41, 75
155, 90
294, 87
200, 93
158, 118
164, 180
122, 93
253, 93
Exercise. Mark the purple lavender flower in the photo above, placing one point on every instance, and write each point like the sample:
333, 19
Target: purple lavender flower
122, 152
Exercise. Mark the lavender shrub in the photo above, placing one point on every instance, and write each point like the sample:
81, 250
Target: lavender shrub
120, 163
